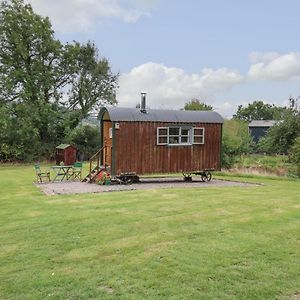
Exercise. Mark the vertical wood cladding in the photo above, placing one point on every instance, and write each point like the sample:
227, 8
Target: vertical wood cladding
136, 150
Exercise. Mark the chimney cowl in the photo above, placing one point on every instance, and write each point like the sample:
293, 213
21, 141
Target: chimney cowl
143, 102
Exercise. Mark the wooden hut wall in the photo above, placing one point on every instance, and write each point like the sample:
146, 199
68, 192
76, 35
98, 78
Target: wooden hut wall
136, 149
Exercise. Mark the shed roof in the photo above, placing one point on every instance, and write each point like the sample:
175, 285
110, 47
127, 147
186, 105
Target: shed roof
63, 146
262, 123
118, 114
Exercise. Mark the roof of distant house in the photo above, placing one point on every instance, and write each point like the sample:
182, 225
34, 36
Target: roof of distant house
262, 123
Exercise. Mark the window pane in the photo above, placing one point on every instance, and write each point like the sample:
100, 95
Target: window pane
198, 139
198, 131
163, 131
174, 130
163, 140
174, 140
185, 131
185, 139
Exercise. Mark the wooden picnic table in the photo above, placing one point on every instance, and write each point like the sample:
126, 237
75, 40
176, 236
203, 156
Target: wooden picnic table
62, 172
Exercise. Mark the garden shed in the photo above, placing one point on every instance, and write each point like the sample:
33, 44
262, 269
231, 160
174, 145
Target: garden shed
147, 141
259, 128
65, 153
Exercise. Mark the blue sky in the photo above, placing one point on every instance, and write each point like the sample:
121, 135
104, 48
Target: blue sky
225, 53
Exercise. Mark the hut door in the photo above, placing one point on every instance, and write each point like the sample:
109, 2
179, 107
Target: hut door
107, 153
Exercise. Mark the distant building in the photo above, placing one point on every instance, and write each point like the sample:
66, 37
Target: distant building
90, 121
259, 128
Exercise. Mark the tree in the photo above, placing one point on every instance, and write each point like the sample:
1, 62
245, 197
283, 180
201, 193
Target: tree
86, 139
282, 135
235, 141
195, 104
294, 157
33, 65
94, 83
258, 110
35, 71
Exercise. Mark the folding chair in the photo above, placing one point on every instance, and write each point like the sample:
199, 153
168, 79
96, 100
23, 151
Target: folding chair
77, 170
41, 174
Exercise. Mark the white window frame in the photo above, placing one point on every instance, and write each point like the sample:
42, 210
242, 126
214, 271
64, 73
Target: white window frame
174, 136
162, 135
191, 136
199, 135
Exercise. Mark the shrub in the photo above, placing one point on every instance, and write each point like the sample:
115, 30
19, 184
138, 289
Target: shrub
86, 139
294, 158
235, 141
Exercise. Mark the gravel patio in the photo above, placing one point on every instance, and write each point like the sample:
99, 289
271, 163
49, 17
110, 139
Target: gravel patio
77, 187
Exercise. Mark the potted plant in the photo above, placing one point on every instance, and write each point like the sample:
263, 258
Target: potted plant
103, 178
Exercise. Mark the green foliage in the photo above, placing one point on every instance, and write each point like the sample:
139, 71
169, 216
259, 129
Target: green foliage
32, 64
294, 157
93, 84
235, 141
35, 72
294, 154
281, 136
19, 137
86, 139
258, 110
195, 104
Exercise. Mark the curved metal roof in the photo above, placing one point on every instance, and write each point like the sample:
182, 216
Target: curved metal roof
118, 114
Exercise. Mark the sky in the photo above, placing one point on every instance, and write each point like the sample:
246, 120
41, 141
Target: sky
223, 52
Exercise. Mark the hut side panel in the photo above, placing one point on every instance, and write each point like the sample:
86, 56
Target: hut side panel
137, 151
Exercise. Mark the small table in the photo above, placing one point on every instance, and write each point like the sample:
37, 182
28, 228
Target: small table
62, 172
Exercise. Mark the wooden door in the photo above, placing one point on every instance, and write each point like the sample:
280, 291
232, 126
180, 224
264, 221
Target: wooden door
107, 142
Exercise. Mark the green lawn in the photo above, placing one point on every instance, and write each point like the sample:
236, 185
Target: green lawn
209, 243
276, 165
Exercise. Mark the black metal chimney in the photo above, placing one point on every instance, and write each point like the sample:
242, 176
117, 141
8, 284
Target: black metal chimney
143, 102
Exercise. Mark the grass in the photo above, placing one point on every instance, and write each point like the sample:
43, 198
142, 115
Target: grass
212, 243
264, 164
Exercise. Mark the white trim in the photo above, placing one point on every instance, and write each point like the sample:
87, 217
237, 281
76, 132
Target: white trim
163, 135
190, 136
198, 135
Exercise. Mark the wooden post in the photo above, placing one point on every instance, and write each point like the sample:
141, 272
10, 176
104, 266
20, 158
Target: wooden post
90, 174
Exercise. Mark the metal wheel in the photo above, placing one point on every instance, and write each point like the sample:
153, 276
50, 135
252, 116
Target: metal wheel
206, 177
187, 177
186, 174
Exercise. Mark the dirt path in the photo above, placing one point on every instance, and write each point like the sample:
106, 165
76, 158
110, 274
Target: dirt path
76, 187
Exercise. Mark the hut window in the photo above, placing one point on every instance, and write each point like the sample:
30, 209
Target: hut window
162, 135
198, 135
185, 136
174, 135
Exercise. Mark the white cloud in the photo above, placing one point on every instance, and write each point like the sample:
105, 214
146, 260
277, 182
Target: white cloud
81, 15
272, 66
172, 87
256, 57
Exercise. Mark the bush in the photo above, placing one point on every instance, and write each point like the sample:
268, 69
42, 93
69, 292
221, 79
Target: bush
294, 158
281, 136
235, 141
86, 139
